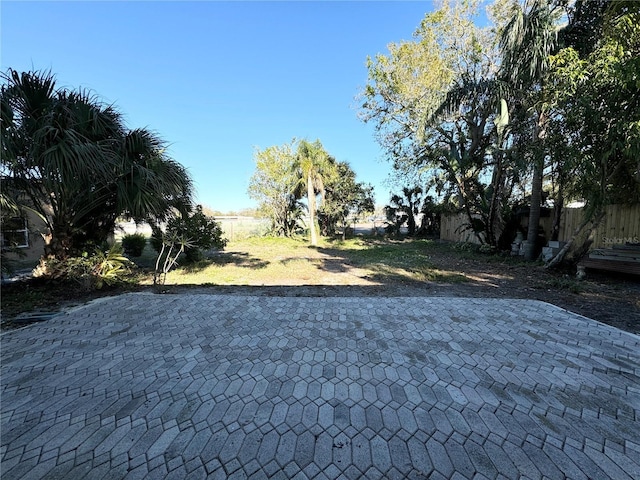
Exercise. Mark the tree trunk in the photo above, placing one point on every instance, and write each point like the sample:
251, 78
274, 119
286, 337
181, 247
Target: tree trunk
536, 190
561, 254
411, 221
493, 216
467, 209
311, 197
557, 213
534, 212
60, 243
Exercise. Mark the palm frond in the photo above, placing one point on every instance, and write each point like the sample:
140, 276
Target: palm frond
73, 156
527, 41
488, 89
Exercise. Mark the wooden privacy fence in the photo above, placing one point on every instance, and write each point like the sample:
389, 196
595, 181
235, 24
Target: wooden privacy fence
453, 227
621, 224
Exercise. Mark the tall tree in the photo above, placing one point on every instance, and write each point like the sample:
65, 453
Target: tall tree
313, 164
433, 102
597, 126
344, 197
77, 163
273, 186
408, 206
527, 42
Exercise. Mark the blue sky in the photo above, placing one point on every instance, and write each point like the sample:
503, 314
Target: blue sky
217, 79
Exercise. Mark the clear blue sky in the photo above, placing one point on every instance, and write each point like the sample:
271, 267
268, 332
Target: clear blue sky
217, 79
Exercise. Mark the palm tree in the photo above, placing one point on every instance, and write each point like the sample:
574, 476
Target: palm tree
145, 185
527, 42
77, 163
55, 143
312, 164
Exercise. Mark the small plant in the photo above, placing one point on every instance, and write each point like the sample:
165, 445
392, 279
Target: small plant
174, 246
566, 283
134, 244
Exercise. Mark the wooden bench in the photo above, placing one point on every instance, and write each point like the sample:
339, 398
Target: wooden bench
621, 258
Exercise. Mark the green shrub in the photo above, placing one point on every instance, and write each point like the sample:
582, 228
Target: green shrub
156, 239
90, 271
202, 233
134, 244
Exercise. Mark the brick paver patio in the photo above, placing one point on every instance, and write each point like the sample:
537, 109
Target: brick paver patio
222, 386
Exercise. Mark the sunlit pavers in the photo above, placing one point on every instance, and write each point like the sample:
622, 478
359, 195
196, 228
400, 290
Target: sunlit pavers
206, 386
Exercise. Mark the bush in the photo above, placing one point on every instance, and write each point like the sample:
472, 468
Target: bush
203, 233
134, 244
90, 271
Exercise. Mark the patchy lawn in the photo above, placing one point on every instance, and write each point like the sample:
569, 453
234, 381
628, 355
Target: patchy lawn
290, 262
365, 266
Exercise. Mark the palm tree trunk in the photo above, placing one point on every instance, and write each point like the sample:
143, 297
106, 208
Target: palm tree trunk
536, 190
311, 197
411, 220
493, 207
557, 212
534, 212
60, 240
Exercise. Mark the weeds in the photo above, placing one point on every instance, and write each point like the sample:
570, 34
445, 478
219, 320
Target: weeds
565, 283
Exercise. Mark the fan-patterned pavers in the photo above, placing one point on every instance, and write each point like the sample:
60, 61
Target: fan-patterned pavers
223, 386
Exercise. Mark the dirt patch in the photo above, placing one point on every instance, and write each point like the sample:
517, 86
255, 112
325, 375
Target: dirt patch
29, 299
608, 298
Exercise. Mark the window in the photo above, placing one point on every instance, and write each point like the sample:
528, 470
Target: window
15, 233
